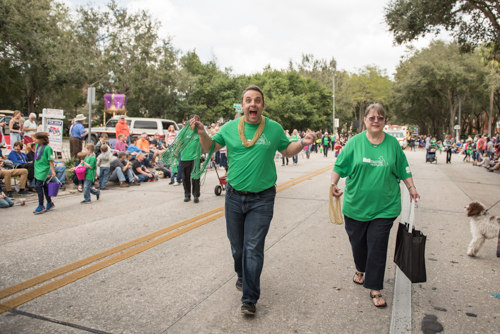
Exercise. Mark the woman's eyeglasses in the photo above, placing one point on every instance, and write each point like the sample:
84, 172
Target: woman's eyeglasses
373, 119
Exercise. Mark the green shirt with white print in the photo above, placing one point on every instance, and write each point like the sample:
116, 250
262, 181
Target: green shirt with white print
252, 168
373, 174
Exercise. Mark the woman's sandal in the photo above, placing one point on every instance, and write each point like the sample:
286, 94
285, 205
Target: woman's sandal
80, 188
360, 278
377, 296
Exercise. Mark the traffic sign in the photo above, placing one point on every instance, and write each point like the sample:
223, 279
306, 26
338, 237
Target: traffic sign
457, 127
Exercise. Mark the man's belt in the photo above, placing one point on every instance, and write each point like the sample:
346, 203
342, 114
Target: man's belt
246, 193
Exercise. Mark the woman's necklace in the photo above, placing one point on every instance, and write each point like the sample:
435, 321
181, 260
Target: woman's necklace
376, 144
241, 131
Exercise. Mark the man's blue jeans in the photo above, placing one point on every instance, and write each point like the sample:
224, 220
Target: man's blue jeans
6, 202
247, 222
118, 174
87, 190
61, 173
142, 178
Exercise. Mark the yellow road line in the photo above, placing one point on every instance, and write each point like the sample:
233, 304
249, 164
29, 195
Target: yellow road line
26, 297
75, 265
217, 213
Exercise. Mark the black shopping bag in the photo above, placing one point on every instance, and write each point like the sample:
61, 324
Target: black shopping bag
409, 255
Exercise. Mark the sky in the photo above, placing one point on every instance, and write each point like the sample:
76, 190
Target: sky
249, 35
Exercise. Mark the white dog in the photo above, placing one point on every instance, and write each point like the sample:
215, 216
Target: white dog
482, 226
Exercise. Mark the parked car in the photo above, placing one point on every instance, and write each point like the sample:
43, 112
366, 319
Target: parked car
136, 125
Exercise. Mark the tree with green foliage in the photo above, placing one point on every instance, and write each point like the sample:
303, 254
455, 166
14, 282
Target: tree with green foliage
30, 35
430, 81
471, 22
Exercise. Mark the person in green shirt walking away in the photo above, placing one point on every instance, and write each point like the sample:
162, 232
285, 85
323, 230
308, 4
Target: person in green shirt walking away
88, 184
44, 167
373, 164
294, 138
325, 141
188, 156
251, 143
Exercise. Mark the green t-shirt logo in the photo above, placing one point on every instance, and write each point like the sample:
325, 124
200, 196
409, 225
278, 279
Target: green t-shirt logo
376, 163
262, 140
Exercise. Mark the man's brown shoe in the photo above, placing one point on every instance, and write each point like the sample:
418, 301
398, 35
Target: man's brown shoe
123, 184
134, 184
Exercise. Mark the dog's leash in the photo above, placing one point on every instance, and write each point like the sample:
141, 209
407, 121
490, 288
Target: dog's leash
498, 245
492, 206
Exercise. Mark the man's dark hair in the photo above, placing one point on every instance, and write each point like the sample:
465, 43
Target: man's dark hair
255, 88
133, 140
121, 154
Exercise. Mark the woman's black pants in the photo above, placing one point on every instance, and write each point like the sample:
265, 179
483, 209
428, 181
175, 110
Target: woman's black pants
369, 241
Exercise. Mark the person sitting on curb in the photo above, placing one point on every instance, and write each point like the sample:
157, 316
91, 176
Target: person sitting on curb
103, 140
5, 202
20, 160
120, 168
133, 148
7, 175
121, 145
139, 168
143, 144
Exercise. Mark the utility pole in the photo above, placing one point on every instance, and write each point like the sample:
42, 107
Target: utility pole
90, 100
459, 117
333, 96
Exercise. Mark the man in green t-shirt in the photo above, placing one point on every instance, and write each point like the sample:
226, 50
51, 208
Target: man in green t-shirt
251, 142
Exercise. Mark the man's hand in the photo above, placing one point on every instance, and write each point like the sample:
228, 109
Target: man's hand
2, 195
149, 174
311, 138
193, 123
53, 174
336, 192
136, 177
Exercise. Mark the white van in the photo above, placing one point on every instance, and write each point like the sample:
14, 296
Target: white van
398, 132
136, 126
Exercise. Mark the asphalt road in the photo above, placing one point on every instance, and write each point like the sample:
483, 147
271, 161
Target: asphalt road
182, 280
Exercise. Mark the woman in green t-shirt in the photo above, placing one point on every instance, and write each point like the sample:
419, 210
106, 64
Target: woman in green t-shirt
373, 164
295, 137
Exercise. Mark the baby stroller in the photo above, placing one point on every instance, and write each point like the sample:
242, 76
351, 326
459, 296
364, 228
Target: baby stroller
431, 154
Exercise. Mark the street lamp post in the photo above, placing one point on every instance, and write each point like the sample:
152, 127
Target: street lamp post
333, 96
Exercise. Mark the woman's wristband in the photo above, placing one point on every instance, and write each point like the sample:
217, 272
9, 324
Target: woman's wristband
411, 187
302, 143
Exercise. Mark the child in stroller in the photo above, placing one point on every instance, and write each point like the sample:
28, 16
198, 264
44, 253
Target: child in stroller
431, 152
